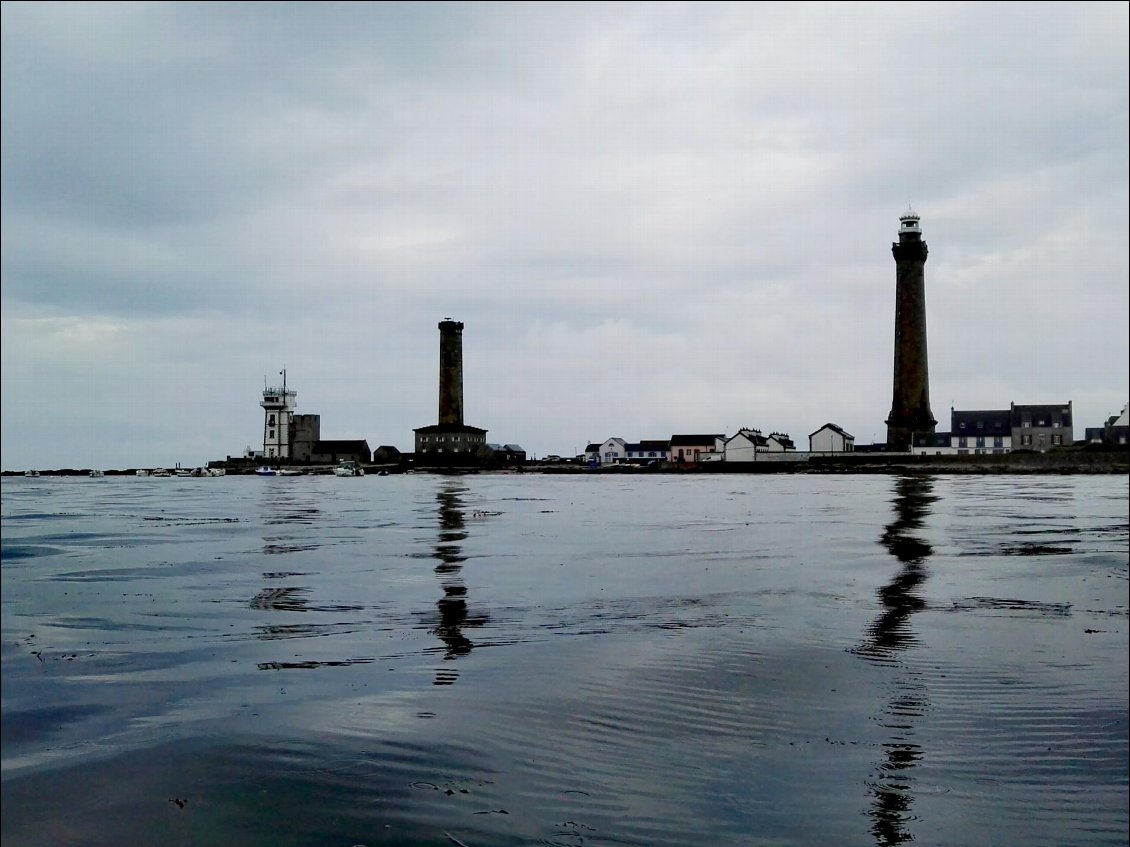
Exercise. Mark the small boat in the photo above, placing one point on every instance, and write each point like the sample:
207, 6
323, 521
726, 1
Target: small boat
291, 472
265, 471
32, 472
141, 472
160, 472
348, 467
97, 473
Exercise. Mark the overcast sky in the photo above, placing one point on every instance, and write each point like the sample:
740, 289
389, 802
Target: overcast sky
652, 218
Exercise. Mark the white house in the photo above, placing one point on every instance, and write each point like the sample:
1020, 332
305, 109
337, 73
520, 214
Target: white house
831, 439
643, 452
981, 431
744, 445
613, 451
779, 442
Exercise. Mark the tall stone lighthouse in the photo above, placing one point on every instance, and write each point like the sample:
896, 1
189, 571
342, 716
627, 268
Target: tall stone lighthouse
910, 403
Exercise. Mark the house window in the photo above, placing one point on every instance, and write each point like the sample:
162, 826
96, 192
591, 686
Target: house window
271, 420
270, 433
980, 441
1026, 440
998, 441
961, 442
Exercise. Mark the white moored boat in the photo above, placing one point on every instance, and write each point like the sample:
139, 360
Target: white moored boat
348, 467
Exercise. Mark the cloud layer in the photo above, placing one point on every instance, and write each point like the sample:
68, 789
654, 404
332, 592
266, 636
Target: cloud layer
651, 218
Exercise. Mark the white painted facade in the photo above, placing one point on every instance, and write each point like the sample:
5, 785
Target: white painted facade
742, 446
776, 442
973, 444
613, 450
831, 439
278, 405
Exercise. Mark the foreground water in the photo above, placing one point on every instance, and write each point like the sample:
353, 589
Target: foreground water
565, 660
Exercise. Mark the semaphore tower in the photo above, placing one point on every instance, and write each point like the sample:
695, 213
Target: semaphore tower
910, 404
278, 416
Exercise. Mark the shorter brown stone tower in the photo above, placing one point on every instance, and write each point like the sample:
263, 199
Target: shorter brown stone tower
450, 442
451, 372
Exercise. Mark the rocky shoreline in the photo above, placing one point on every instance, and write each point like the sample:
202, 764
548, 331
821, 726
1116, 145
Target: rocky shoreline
1072, 461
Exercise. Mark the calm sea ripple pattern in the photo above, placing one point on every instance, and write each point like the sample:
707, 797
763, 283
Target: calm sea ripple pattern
522, 659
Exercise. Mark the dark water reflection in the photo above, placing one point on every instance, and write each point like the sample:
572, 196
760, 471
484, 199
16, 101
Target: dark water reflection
452, 608
892, 783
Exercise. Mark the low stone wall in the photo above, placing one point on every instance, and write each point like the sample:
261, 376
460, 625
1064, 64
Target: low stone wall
1060, 461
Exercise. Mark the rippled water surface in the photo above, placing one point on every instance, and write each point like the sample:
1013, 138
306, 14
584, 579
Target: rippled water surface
490, 660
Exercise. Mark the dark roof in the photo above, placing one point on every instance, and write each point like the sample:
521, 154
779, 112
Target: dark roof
592, 448
692, 440
834, 428
993, 420
449, 428
653, 444
753, 435
1060, 412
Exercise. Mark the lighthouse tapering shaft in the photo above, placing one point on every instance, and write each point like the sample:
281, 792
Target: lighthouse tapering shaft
910, 403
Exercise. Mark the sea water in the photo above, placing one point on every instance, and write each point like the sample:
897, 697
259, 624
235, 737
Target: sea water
518, 659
